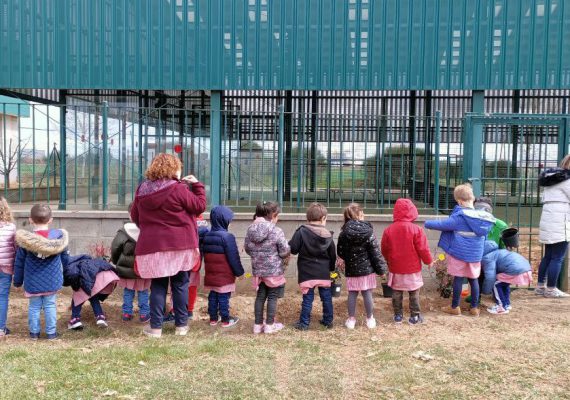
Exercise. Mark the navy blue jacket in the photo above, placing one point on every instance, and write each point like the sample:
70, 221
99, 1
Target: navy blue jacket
81, 272
221, 254
463, 233
500, 261
40, 261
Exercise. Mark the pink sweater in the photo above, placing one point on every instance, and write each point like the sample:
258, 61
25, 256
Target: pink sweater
7, 247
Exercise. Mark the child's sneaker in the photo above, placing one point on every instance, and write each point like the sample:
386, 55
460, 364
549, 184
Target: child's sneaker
230, 322
452, 311
75, 324
474, 311
34, 336
350, 323
540, 290
555, 293
276, 327
144, 318
328, 326
102, 321
257, 329
52, 336
371, 323
168, 318
214, 322
508, 307
153, 333
416, 319
497, 310
398, 318
190, 315
181, 331
301, 326
127, 317
4, 332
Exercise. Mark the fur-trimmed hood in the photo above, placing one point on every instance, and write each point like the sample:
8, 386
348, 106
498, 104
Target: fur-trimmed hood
57, 241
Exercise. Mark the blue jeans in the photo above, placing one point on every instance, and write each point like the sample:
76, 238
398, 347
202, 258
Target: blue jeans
307, 306
458, 286
95, 305
219, 303
551, 263
179, 290
48, 304
502, 293
5, 282
129, 297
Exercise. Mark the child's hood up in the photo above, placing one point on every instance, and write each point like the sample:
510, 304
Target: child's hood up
479, 221
220, 218
260, 230
405, 211
55, 243
490, 246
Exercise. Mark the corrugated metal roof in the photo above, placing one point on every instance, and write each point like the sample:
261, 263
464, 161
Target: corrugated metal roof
285, 44
14, 107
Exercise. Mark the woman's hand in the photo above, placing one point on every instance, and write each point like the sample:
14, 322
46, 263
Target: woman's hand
190, 178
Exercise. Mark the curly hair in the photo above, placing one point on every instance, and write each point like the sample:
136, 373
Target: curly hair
5, 211
163, 166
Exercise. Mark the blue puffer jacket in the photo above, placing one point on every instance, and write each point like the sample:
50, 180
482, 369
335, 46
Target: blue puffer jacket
500, 261
40, 261
221, 254
81, 272
463, 233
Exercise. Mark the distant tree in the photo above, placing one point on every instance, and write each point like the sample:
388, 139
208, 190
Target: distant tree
9, 158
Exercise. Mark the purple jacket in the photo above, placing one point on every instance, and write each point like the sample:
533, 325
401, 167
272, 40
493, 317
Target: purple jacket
7, 247
267, 246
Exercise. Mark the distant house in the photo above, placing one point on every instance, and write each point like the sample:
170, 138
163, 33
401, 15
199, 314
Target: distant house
11, 111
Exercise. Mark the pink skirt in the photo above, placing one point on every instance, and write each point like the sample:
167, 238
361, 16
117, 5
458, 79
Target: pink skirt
313, 283
135, 284
407, 282
358, 283
105, 283
229, 288
524, 279
463, 269
166, 263
270, 281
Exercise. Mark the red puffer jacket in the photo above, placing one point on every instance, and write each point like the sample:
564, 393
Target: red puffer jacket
404, 244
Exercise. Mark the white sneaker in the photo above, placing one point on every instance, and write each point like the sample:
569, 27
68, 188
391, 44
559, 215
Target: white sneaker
509, 307
181, 331
540, 290
555, 293
371, 323
275, 327
257, 329
153, 333
350, 323
497, 310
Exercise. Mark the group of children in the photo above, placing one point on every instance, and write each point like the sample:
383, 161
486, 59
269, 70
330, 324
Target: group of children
469, 238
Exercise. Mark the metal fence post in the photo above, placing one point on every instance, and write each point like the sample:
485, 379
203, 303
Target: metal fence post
215, 147
105, 182
62, 152
280, 155
436, 162
472, 141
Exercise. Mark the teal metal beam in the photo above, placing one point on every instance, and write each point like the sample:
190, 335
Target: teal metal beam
437, 139
105, 183
472, 143
216, 147
62, 151
280, 156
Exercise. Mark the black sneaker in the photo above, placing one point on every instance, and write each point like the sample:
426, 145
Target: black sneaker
416, 319
300, 326
52, 336
75, 324
168, 318
190, 315
398, 318
34, 336
328, 326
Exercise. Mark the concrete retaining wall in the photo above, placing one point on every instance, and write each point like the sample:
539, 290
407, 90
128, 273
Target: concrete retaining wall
89, 228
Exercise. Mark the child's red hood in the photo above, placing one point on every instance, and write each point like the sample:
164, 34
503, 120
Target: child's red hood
405, 210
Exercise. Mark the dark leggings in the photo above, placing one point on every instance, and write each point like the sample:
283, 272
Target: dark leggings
271, 295
368, 303
458, 286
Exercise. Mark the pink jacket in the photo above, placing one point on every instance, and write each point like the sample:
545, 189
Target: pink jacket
7, 247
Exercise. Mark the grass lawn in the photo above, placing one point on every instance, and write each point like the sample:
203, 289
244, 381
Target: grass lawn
525, 354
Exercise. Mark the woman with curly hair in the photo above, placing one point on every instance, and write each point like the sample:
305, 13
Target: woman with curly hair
165, 210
